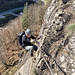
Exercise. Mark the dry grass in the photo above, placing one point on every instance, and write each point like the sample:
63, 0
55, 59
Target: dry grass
8, 42
34, 71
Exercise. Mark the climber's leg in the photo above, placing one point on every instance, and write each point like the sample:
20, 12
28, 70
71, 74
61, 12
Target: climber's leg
30, 49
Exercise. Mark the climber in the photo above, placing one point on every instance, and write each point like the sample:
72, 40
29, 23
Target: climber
27, 44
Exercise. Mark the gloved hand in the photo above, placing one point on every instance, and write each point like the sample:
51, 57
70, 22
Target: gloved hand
32, 41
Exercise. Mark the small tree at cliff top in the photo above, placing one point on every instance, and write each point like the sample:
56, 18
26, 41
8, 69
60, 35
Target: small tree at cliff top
25, 18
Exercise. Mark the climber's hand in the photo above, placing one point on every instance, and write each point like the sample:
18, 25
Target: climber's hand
37, 38
32, 41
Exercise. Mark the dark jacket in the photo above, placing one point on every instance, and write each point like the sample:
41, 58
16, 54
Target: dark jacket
26, 41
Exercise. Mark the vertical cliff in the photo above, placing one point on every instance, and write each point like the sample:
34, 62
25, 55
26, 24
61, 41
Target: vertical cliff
57, 44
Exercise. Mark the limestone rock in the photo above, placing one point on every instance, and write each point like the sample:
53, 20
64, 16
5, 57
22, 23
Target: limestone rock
62, 58
27, 68
74, 5
64, 64
73, 73
39, 64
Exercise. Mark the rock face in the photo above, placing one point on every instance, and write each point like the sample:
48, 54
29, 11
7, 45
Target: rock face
54, 22
66, 58
74, 5
27, 68
57, 47
55, 42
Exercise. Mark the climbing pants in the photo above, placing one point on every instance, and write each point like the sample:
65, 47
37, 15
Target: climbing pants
31, 48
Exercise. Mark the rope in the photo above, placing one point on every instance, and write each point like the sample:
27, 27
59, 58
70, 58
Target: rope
55, 62
44, 57
50, 56
46, 63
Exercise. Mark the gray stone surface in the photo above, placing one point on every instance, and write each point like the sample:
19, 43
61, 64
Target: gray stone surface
27, 68
57, 44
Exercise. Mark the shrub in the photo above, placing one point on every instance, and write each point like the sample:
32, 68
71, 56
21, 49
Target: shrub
34, 71
33, 16
70, 29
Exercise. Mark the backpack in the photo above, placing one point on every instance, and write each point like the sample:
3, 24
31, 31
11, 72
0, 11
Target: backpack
20, 37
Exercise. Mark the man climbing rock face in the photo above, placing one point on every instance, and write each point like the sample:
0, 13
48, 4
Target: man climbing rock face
27, 44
